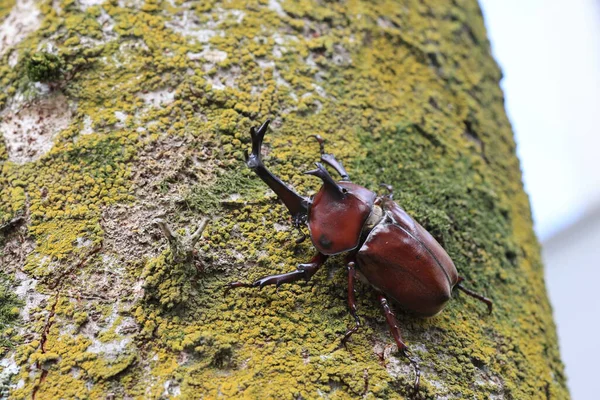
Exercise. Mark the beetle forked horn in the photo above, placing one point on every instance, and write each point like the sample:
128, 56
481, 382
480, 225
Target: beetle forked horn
329, 183
254, 160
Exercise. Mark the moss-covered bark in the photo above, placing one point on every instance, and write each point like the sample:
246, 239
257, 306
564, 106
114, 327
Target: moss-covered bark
148, 117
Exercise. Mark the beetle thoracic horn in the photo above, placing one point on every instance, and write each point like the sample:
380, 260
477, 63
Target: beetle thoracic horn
328, 181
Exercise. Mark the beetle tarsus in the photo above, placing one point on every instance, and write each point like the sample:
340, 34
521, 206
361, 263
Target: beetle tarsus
330, 159
488, 302
402, 348
303, 271
406, 353
351, 302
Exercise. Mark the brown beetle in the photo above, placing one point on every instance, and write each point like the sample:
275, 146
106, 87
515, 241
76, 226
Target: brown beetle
395, 254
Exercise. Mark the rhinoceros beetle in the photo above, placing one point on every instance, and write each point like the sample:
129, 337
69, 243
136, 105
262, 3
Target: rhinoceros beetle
396, 255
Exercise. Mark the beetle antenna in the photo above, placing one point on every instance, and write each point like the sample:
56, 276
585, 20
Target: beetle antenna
390, 190
330, 159
321, 142
328, 181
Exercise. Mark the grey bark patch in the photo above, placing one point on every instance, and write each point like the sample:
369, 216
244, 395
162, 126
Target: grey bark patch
23, 19
29, 128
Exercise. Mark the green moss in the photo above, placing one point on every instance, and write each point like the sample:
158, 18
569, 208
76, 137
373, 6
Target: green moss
230, 187
3, 152
44, 67
9, 313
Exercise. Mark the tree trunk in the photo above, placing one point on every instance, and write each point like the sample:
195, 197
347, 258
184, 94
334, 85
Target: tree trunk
117, 113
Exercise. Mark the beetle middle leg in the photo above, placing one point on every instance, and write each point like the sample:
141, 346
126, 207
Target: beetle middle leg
351, 302
303, 271
402, 348
330, 159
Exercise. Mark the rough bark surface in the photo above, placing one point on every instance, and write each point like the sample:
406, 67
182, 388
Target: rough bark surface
141, 110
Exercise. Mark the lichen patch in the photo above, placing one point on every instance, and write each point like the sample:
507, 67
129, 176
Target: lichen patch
29, 128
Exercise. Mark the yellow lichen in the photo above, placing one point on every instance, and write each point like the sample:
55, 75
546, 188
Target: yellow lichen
404, 93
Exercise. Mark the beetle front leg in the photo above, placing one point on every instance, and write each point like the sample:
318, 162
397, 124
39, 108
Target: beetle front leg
303, 271
402, 348
351, 302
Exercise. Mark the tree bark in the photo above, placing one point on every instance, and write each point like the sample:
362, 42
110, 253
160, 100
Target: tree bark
119, 113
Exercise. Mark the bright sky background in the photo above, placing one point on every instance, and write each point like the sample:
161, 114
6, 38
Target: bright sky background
549, 51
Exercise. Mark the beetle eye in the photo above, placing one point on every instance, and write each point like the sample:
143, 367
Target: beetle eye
344, 190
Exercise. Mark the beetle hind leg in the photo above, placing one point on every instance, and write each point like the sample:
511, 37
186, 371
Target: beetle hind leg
402, 348
330, 159
303, 271
488, 302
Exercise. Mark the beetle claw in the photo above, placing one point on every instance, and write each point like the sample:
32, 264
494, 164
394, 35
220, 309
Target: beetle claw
407, 353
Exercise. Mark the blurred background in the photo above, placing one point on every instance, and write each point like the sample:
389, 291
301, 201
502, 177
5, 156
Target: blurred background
549, 52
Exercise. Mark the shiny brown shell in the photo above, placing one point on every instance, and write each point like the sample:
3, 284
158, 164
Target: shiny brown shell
336, 220
401, 259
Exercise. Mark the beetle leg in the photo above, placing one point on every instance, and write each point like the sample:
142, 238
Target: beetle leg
330, 159
395, 330
351, 302
488, 302
303, 271
296, 204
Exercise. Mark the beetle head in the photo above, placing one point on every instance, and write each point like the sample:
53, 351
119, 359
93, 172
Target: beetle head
338, 213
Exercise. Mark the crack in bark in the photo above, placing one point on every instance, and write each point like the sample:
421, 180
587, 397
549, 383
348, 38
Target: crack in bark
60, 278
43, 339
366, 377
58, 285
